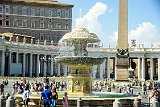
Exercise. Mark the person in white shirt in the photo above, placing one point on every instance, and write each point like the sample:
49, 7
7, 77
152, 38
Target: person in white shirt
25, 97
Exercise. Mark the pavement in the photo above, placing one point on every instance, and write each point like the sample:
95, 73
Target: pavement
9, 88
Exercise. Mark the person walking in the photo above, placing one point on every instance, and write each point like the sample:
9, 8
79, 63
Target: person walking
155, 94
2, 89
65, 100
46, 96
25, 97
54, 97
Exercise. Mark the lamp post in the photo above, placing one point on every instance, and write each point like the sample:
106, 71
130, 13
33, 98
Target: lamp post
45, 60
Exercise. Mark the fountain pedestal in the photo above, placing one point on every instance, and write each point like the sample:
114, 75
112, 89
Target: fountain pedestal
79, 81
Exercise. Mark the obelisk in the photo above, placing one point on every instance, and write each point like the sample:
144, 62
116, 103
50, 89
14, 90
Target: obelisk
122, 48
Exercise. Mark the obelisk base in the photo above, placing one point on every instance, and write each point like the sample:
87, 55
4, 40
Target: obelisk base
122, 74
122, 69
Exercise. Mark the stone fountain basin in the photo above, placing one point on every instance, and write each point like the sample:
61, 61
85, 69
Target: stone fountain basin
79, 60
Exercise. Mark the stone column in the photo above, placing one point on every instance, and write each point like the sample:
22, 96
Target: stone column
3, 63
151, 69
30, 68
17, 56
24, 64
94, 71
52, 61
65, 70
108, 67
38, 66
44, 67
101, 70
9, 62
143, 69
139, 68
59, 69
115, 73
158, 68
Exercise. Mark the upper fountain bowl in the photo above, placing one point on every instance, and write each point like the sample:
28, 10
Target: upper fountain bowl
80, 34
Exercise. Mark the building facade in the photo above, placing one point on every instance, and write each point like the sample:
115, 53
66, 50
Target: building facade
45, 20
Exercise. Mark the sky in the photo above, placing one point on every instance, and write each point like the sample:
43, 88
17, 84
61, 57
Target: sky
101, 17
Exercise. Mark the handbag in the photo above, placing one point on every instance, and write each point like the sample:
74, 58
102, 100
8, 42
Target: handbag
48, 100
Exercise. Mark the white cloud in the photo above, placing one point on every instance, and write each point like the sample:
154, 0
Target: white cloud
90, 19
146, 33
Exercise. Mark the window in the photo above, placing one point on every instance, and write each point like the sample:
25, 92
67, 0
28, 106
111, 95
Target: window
33, 11
41, 37
50, 13
7, 22
57, 38
24, 10
15, 22
7, 9
41, 24
33, 23
49, 38
66, 14
24, 22
58, 26
66, 26
15, 10
50, 24
58, 13
1, 8
41, 12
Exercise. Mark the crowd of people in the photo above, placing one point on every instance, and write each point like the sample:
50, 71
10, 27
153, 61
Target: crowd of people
49, 94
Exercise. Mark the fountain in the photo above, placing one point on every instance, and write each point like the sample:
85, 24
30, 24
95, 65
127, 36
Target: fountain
74, 54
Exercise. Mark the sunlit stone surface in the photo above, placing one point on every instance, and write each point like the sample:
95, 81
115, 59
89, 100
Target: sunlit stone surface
73, 53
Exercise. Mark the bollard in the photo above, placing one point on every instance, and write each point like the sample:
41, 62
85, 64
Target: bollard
120, 90
131, 90
79, 101
10, 102
117, 103
154, 102
137, 102
2, 101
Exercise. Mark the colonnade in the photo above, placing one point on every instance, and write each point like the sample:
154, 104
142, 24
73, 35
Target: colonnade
37, 64
31, 64
144, 69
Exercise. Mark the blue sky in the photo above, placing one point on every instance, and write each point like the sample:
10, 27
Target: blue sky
101, 17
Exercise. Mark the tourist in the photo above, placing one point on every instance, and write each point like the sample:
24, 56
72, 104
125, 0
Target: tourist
54, 97
25, 97
65, 100
155, 94
144, 90
32, 87
2, 89
46, 96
